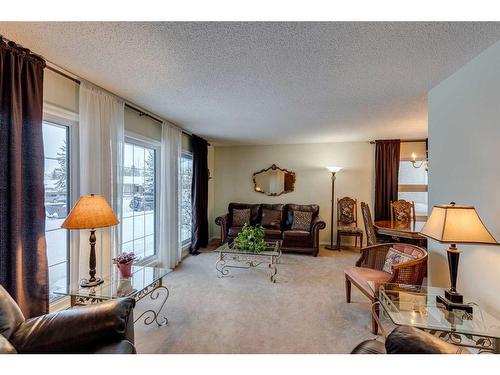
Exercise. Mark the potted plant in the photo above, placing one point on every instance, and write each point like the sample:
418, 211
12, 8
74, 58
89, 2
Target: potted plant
124, 263
251, 239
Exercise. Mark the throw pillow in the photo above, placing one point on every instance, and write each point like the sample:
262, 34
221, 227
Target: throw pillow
271, 218
241, 217
302, 220
394, 256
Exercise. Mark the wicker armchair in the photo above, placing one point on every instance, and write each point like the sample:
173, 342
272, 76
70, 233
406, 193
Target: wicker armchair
369, 268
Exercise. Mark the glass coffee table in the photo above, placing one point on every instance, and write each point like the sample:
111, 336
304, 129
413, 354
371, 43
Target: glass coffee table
416, 306
232, 257
144, 281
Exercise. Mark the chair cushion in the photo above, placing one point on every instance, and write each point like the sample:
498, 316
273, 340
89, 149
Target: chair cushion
271, 218
241, 217
11, 316
394, 256
349, 229
361, 276
302, 220
272, 234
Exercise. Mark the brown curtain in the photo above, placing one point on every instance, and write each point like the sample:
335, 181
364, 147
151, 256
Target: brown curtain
386, 176
199, 195
23, 258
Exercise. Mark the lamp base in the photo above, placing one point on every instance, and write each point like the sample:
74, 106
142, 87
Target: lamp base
332, 247
451, 305
86, 283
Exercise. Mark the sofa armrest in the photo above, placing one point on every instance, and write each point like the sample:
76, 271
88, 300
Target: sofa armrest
75, 330
222, 222
317, 224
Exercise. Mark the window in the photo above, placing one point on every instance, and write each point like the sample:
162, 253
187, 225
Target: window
186, 179
139, 220
56, 182
413, 186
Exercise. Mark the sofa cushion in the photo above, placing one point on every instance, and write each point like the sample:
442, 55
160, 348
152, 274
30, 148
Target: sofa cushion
241, 217
290, 208
233, 231
254, 212
11, 316
271, 218
394, 256
302, 220
297, 235
361, 276
272, 234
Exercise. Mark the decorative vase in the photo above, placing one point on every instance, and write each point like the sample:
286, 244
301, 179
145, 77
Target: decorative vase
125, 269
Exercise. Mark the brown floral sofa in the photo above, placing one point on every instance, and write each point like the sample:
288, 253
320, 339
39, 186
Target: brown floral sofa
296, 225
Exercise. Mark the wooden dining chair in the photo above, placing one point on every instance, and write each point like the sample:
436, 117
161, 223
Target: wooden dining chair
402, 211
347, 220
371, 236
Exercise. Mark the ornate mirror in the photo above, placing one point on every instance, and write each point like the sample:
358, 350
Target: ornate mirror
274, 181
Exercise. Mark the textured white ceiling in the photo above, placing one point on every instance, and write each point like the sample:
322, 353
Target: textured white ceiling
265, 83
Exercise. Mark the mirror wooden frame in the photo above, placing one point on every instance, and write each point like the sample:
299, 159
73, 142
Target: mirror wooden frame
273, 167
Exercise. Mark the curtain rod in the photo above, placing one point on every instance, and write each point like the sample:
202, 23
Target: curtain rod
133, 107
406, 141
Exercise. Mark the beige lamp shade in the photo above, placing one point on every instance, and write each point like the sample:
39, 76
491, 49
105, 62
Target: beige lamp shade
453, 223
334, 169
90, 212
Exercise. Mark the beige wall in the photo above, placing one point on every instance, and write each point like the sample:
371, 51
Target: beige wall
234, 167
60, 91
464, 153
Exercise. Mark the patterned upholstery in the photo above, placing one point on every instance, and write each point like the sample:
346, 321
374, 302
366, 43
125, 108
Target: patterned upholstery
241, 217
371, 237
403, 211
302, 220
347, 220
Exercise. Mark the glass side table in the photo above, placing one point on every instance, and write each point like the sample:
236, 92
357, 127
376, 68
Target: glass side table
144, 281
416, 306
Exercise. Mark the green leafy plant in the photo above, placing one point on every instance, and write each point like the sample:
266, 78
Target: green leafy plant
251, 239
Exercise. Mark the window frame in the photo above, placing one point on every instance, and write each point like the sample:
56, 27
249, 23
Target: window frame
61, 117
187, 242
414, 188
141, 141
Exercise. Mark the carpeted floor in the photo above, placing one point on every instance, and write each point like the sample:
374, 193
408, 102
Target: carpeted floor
304, 312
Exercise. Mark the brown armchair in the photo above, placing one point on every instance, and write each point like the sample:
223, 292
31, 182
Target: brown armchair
369, 268
104, 328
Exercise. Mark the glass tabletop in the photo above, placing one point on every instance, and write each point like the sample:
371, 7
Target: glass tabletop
417, 306
115, 286
272, 249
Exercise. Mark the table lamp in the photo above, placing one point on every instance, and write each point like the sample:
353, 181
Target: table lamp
454, 224
333, 170
91, 212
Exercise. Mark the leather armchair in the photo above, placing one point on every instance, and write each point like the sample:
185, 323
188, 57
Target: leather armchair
408, 340
105, 328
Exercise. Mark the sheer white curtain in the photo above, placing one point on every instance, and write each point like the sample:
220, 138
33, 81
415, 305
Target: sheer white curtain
169, 254
101, 139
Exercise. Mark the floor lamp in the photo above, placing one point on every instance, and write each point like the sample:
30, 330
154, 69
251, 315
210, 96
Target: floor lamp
334, 170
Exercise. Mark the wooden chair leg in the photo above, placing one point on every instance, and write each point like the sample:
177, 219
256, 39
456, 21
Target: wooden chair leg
374, 321
360, 241
347, 290
338, 241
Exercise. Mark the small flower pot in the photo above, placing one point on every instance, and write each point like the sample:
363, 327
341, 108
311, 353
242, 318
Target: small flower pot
125, 269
